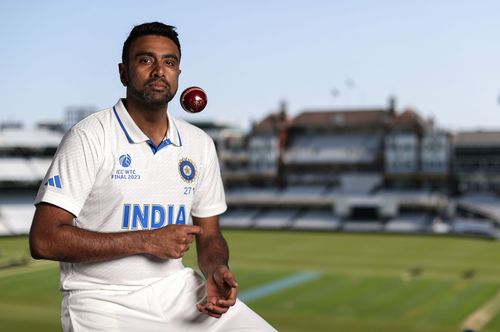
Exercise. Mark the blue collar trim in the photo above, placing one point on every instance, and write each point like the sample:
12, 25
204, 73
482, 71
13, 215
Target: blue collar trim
123, 127
155, 148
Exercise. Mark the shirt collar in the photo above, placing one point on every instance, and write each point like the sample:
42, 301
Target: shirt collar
134, 134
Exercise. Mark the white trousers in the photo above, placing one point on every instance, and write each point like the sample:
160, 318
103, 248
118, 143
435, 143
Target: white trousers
166, 305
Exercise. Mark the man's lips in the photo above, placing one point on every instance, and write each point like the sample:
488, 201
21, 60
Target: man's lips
158, 85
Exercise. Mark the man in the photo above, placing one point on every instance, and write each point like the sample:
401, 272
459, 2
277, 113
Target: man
115, 209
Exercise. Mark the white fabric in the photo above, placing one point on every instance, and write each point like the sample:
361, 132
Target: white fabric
109, 177
166, 305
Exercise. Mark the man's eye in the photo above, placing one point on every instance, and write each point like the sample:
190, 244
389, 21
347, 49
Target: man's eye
170, 63
145, 60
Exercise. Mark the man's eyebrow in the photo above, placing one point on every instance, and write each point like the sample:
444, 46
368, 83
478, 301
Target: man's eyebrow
163, 56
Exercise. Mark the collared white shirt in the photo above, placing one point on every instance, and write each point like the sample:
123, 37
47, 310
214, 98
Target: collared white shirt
112, 178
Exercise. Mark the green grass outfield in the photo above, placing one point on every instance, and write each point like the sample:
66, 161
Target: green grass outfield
366, 282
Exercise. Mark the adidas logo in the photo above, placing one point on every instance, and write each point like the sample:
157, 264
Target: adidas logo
54, 181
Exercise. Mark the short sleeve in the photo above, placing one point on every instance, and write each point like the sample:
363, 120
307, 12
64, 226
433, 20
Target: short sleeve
209, 198
72, 173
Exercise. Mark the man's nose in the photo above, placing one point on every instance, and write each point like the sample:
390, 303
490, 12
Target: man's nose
158, 70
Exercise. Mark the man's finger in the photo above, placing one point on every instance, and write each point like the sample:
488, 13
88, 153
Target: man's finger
226, 303
229, 279
231, 298
216, 310
212, 311
193, 229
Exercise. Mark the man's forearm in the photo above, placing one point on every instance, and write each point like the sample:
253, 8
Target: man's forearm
72, 244
212, 252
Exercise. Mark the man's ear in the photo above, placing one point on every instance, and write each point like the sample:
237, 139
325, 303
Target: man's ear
122, 69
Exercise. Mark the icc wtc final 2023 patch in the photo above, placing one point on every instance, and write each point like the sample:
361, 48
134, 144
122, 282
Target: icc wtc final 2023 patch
187, 170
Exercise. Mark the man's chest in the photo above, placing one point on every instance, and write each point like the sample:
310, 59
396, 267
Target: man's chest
149, 190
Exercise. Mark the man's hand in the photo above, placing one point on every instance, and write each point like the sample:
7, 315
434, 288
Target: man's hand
171, 241
221, 292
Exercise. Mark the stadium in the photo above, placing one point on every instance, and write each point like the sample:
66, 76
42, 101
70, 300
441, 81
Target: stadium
339, 219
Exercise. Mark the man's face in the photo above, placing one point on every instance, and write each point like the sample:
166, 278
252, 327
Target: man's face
152, 72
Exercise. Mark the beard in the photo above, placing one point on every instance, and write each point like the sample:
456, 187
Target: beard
150, 97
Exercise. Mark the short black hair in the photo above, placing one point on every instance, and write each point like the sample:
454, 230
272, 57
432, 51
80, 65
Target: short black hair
151, 28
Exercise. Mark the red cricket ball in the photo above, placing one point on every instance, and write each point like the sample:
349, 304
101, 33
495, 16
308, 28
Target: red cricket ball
193, 99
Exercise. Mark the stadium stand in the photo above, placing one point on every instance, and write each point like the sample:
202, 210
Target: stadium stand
16, 210
357, 183
313, 219
32, 140
318, 171
4, 231
16, 218
440, 226
422, 198
17, 170
487, 205
345, 148
251, 196
239, 218
310, 195
412, 222
25, 155
362, 225
276, 219
474, 226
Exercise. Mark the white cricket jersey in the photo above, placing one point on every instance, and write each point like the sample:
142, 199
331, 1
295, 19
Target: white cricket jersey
112, 178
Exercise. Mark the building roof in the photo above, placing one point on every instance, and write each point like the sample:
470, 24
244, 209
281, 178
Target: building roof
272, 122
409, 120
483, 138
408, 116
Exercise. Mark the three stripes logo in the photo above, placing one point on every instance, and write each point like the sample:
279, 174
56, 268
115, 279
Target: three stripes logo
54, 181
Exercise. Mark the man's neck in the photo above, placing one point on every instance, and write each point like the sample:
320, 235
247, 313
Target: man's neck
152, 121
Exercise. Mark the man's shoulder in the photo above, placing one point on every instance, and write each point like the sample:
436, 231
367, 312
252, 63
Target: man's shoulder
95, 120
94, 127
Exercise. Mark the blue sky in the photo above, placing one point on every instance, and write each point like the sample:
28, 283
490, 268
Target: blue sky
441, 58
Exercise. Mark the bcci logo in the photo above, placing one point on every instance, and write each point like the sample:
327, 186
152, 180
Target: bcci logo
187, 170
125, 160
